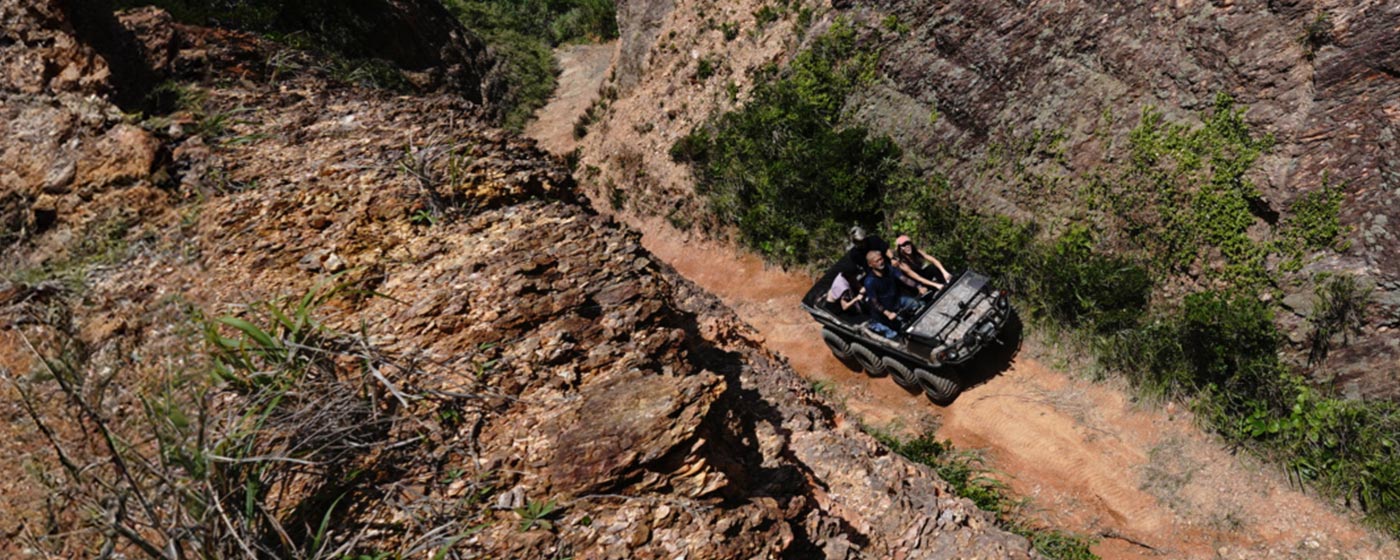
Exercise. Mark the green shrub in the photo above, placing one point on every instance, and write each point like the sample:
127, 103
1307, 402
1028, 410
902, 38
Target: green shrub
1230, 338
730, 30
705, 68
1186, 197
1079, 287
1312, 224
1339, 308
782, 169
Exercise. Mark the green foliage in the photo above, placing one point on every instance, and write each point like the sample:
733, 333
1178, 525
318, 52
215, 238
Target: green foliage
555, 22
705, 68
1339, 308
1312, 225
1186, 197
730, 30
282, 337
966, 473
1079, 287
1230, 339
782, 168
536, 514
892, 23
765, 15
1316, 34
521, 33
99, 243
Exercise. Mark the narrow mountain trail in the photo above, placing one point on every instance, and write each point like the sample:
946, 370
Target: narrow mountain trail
1143, 480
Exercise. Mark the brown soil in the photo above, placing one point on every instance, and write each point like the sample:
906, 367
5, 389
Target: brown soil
1143, 479
583, 68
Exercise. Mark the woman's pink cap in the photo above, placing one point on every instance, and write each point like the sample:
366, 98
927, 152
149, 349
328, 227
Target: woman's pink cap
901, 240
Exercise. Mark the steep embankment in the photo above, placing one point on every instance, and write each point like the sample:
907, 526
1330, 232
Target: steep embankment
484, 366
1091, 459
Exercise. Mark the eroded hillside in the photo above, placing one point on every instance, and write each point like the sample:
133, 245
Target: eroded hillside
288, 317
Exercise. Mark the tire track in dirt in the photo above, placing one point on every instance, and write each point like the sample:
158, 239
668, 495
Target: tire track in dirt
1090, 460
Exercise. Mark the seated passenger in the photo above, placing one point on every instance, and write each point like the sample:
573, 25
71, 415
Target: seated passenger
918, 265
882, 294
860, 245
844, 297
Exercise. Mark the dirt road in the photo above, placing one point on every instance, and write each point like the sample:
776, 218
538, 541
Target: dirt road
1142, 479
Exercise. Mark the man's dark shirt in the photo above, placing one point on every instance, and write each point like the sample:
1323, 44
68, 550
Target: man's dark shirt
883, 291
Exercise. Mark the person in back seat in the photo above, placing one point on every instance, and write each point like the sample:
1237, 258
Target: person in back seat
844, 297
861, 243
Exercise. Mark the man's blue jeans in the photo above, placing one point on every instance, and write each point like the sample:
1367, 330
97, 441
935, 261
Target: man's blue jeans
886, 326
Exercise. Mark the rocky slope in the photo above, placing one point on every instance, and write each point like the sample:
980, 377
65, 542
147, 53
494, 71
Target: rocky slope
502, 373
964, 81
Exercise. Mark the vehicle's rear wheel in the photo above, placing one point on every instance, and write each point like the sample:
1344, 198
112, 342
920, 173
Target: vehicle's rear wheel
839, 347
867, 359
938, 388
900, 373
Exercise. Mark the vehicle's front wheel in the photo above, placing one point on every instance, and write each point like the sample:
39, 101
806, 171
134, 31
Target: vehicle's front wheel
867, 359
900, 373
939, 389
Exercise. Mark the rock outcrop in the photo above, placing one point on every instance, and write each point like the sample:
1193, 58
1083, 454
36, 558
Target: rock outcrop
524, 349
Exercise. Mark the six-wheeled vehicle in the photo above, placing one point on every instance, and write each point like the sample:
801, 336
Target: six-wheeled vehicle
947, 328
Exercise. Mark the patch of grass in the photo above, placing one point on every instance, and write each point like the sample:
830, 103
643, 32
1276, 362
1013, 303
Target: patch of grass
1339, 308
1316, 34
100, 243
522, 33
893, 24
969, 477
730, 30
282, 441
765, 15
706, 67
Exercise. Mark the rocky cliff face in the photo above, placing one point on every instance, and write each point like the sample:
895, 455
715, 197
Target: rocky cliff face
505, 373
965, 80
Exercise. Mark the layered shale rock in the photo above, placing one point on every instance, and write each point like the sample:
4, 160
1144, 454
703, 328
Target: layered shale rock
529, 350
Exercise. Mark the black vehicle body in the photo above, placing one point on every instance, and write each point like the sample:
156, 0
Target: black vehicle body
949, 327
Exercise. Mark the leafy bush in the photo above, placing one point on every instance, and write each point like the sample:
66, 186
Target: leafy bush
782, 169
1339, 307
1079, 287
1186, 197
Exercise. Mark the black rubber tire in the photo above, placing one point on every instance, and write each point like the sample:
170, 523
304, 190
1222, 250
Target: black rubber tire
939, 389
900, 373
867, 359
839, 347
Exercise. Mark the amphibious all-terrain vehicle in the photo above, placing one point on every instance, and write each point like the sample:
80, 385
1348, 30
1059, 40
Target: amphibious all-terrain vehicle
949, 327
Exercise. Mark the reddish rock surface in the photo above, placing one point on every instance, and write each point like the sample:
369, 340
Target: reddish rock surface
526, 350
